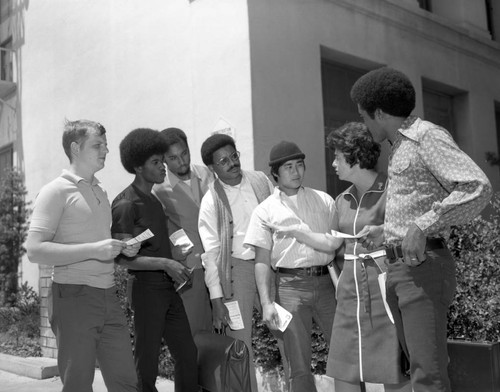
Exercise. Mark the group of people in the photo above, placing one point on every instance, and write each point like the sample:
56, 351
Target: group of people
371, 267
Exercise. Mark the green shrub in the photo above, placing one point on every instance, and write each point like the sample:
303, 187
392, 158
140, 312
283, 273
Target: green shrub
20, 324
13, 229
474, 313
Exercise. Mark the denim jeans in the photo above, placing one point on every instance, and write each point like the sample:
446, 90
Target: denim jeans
307, 298
89, 324
419, 298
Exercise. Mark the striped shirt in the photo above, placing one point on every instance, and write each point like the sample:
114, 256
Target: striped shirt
315, 211
431, 183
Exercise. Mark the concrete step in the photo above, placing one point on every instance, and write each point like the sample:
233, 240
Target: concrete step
38, 368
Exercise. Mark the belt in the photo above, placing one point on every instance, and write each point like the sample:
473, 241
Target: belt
308, 271
372, 255
394, 252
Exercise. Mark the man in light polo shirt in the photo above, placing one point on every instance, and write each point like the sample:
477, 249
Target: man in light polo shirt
304, 285
70, 230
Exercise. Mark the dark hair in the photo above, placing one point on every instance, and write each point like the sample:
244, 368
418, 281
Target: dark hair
212, 144
276, 167
174, 136
355, 141
386, 89
140, 145
78, 131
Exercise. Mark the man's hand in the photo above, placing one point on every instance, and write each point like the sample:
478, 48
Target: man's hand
220, 313
270, 316
178, 272
108, 249
372, 236
131, 250
413, 246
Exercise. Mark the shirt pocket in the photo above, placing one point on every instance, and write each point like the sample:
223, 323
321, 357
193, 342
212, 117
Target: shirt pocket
401, 165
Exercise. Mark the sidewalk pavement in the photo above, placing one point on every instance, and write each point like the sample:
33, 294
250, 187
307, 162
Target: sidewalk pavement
40, 375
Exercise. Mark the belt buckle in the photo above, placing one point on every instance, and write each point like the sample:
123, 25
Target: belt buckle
393, 252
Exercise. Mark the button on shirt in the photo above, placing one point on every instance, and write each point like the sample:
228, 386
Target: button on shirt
315, 211
431, 182
242, 201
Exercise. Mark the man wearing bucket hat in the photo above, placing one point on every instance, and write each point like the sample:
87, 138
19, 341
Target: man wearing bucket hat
304, 285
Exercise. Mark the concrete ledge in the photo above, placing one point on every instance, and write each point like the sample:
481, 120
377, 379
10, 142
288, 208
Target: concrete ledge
38, 368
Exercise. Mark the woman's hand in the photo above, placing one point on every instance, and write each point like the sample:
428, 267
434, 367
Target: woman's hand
372, 237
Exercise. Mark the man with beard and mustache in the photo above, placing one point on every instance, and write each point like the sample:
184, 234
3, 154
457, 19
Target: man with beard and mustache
181, 194
158, 309
224, 215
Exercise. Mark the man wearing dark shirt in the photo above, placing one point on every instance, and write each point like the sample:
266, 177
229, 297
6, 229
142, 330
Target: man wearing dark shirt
158, 309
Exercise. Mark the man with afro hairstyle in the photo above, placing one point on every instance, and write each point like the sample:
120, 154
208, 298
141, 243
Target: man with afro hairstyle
432, 186
224, 216
158, 309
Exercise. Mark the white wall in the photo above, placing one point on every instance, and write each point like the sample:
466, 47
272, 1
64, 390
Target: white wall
130, 64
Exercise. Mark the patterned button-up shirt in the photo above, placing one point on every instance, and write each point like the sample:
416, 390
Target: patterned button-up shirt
431, 182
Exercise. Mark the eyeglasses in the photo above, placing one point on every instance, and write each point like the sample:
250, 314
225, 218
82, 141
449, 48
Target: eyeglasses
234, 157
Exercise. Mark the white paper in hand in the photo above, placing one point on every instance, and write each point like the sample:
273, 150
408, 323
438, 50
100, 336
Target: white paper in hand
338, 234
141, 237
236, 321
284, 315
180, 238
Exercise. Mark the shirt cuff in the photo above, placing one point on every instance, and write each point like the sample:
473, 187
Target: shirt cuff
215, 292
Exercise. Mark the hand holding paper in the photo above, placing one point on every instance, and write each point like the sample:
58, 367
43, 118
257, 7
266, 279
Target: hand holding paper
141, 237
284, 317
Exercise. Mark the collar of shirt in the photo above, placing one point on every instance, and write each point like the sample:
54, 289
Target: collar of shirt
378, 185
279, 194
409, 128
76, 178
241, 184
174, 180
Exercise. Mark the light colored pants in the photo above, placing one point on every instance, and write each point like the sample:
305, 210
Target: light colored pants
307, 298
89, 324
245, 292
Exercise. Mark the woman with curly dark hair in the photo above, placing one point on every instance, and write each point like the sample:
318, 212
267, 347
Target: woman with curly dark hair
364, 345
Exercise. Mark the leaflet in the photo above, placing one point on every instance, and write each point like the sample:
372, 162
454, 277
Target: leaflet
284, 315
234, 315
338, 234
180, 238
141, 237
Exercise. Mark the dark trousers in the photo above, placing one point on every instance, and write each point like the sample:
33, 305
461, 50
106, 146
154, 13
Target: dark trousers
159, 313
419, 298
89, 324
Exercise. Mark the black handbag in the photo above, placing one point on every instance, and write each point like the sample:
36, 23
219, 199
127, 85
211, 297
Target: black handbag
223, 363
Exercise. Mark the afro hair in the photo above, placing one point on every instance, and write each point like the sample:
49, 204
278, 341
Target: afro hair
212, 144
139, 145
386, 89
